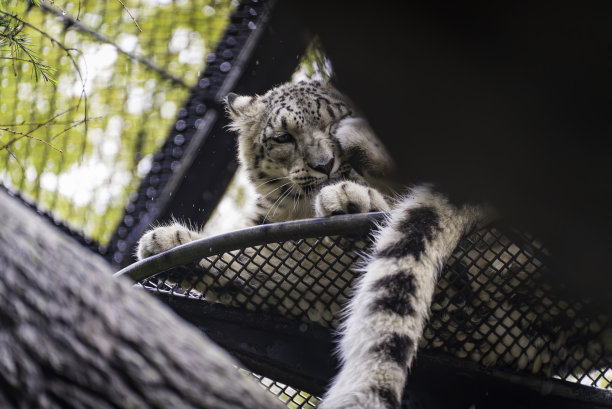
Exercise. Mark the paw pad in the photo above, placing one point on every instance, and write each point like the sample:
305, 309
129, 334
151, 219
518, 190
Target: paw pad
348, 198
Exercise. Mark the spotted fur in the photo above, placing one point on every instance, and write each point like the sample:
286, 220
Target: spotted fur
388, 311
308, 153
298, 138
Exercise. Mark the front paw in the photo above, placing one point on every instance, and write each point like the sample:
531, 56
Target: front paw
348, 197
164, 238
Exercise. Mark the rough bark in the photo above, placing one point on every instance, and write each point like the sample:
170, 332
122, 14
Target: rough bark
72, 337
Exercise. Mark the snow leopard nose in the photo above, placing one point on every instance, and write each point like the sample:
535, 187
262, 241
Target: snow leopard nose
323, 168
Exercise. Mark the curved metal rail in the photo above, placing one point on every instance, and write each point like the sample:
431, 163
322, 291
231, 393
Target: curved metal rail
352, 224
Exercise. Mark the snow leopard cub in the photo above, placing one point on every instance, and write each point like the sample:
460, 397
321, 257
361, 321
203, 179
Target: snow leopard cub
306, 153
309, 154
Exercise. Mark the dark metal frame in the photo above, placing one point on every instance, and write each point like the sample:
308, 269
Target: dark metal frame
192, 170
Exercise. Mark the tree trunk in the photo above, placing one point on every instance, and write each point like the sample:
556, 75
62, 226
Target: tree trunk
72, 337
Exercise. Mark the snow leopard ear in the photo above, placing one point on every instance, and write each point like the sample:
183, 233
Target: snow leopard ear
243, 107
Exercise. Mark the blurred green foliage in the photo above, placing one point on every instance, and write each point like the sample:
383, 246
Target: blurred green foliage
314, 64
91, 136
16, 47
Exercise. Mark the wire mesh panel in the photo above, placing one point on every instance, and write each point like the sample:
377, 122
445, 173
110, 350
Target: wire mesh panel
307, 279
293, 398
80, 148
496, 303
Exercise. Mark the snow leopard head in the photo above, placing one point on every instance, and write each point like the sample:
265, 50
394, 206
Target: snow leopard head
304, 133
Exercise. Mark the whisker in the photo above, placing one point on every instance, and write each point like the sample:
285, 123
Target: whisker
296, 200
272, 207
270, 181
294, 204
272, 191
278, 202
283, 197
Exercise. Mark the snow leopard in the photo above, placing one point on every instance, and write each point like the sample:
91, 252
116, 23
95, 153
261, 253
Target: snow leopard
306, 152
309, 153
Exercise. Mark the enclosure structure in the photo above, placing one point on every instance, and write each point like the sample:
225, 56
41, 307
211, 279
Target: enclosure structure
501, 333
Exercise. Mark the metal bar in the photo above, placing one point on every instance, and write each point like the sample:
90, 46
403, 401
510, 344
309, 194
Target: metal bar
353, 224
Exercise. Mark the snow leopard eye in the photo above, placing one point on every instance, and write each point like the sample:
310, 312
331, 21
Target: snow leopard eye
284, 138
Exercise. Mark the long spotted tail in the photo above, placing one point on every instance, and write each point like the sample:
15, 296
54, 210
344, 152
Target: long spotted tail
390, 306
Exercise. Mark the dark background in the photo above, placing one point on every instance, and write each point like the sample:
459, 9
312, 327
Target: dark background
498, 102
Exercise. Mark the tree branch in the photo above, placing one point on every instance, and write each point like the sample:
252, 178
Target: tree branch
71, 336
38, 126
28, 136
130, 14
67, 50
